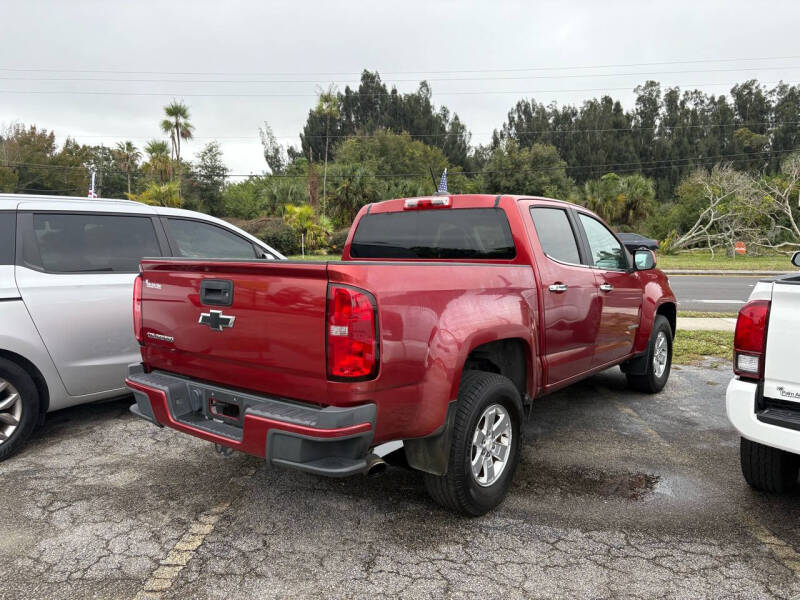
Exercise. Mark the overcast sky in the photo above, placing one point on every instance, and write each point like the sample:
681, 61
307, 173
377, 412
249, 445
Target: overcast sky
281, 52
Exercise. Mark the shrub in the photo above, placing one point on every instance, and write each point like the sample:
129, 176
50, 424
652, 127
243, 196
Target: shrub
276, 233
337, 240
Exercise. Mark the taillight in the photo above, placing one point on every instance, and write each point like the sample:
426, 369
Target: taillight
750, 340
351, 333
137, 309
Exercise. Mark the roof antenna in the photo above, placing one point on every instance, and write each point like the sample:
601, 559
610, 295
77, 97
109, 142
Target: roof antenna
433, 178
442, 190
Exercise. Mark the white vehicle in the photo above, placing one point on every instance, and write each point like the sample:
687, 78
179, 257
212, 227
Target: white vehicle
763, 400
67, 267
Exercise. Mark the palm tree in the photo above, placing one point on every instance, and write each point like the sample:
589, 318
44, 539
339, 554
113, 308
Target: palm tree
159, 159
128, 156
178, 127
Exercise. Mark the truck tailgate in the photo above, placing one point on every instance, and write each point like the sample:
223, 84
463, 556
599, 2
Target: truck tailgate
277, 336
782, 366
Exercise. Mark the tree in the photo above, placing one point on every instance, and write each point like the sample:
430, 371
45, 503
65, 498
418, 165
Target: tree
536, 171
624, 201
314, 230
210, 174
127, 156
273, 151
732, 209
327, 107
178, 127
156, 194
783, 190
158, 165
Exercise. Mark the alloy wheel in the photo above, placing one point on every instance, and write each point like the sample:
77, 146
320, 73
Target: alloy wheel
10, 410
491, 445
660, 354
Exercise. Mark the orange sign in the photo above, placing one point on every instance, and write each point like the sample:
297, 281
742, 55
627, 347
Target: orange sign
740, 248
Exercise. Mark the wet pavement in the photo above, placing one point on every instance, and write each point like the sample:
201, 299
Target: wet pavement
618, 495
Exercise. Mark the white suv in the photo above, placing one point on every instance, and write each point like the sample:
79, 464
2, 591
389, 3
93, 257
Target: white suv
66, 278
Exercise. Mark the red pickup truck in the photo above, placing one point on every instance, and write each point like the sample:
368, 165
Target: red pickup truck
445, 318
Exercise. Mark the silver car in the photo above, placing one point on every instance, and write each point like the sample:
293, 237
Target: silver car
66, 277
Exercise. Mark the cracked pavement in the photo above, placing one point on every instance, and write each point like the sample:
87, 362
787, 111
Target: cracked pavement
617, 495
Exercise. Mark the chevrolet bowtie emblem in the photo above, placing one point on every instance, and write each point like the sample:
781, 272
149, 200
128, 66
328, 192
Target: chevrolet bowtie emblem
216, 320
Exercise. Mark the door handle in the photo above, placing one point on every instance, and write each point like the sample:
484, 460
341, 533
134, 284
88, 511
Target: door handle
558, 288
606, 287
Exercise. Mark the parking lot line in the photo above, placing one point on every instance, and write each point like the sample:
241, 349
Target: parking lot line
181, 553
787, 555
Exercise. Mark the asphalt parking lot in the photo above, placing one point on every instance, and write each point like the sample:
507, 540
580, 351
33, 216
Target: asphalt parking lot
618, 495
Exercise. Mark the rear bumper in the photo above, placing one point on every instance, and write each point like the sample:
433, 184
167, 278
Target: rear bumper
740, 404
328, 441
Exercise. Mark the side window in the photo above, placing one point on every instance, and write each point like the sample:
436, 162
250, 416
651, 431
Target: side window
203, 240
607, 252
90, 243
8, 227
555, 234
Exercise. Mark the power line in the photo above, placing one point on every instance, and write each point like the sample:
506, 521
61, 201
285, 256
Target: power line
307, 81
421, 71
377, 94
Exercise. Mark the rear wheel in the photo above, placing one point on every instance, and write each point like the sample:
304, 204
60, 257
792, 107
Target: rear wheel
485, 445
19, 407
768, 469
659, 362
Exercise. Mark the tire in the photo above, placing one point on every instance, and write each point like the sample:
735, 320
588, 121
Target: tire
651, 382
19, 407
479, 396
768, 469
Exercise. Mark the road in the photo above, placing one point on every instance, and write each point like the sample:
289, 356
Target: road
617, 495
726, 293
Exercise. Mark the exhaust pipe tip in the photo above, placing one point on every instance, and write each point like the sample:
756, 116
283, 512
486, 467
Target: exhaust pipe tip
376, 466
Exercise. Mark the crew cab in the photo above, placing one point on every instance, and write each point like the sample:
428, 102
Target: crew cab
446, 316
763, 398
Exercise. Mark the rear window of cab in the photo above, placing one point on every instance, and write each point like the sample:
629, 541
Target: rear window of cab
466, 233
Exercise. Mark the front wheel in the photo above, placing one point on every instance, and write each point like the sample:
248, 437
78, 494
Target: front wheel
659, 359
485, 446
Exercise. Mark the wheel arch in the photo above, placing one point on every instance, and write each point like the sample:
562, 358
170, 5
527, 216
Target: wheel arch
509, 357
670, 311
32, 370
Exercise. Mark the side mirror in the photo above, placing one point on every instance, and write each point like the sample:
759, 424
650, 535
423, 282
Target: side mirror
645, 259
796, 259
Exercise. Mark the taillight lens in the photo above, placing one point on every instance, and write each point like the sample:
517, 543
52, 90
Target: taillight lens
750, 340
137, 309
351, 333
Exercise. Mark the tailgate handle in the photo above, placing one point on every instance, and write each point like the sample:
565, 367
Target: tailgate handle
216, 292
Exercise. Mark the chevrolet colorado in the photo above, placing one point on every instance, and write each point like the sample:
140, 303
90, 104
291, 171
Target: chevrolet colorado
763, 399
445, 318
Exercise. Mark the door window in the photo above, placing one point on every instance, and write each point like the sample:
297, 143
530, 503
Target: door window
607, 252
90, 243
555, 234
203, 240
